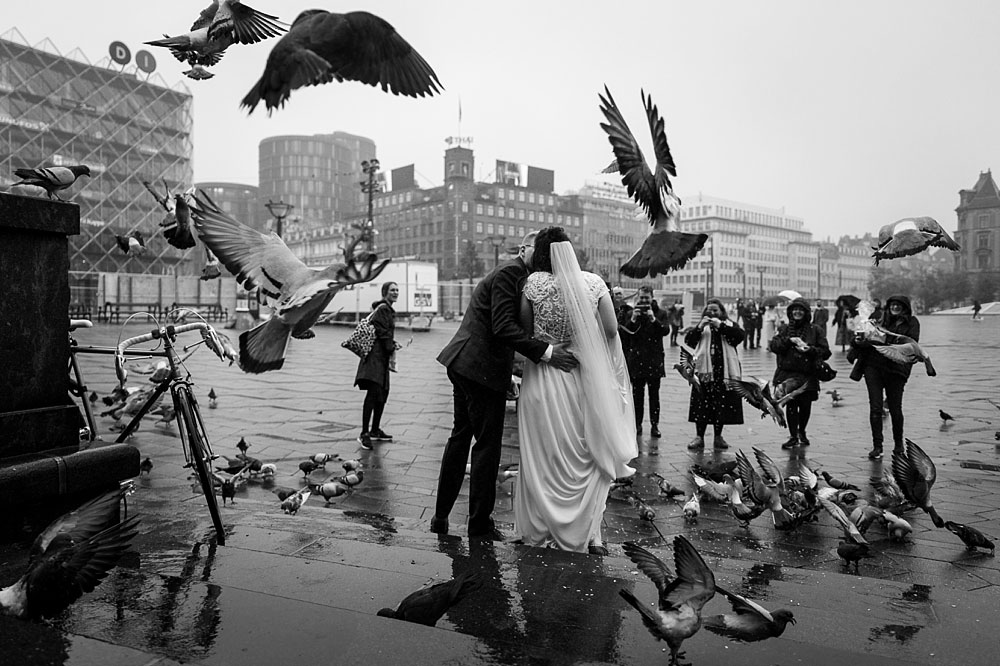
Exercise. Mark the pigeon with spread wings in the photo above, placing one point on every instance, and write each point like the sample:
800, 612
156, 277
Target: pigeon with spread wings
321, 47
910, 236
665, 248
298, 294
219, 26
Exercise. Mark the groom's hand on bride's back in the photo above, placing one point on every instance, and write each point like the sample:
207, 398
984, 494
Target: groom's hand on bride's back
563, 358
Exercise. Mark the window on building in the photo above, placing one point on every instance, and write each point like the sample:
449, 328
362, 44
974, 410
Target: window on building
465, 206
501, 193
465, 225
500, 230
520, 195
501, 211
531, 216
489, 211
479, 209
983, 241
531, 197
520, 214
510, 213
479, 227
489, 228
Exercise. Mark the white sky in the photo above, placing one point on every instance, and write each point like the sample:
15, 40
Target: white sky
848, 114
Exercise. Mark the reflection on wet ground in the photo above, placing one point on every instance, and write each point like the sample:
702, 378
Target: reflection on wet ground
306, 587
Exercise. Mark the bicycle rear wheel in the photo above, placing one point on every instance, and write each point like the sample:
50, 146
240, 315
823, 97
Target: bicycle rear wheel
193, 435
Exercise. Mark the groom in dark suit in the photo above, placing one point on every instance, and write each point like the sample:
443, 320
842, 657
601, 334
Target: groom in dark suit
479, 360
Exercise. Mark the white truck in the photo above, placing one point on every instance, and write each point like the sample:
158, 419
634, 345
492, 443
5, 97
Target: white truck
418, 294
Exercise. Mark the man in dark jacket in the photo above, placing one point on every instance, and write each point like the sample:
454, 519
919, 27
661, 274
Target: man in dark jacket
642, 342
479, 360
883, 376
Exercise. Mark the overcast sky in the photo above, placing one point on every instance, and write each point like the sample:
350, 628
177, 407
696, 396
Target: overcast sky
847, 114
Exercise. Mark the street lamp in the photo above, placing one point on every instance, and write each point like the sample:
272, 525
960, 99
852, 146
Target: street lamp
280, 210
497, 242
740, 272
761, 269
370, 187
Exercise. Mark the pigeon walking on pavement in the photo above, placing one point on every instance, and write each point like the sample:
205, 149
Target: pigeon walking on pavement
970, 536
665, 248
70, 558
298, 294
427, 605
749, 622
52, 179
680, 599
322, 46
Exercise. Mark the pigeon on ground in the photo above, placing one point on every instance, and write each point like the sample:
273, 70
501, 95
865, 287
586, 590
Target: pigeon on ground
898, 528
330, 490
945, 416
915, 474
667, 488
764, 490
427, 605
678, 614
691, 509
70, 558
242, 445
864, 515
219, 26
321, 47
351, 465
213, 399
146, 466
268, 470
887, 495
665, 248
853, 546
910, 236
230, 484
294, 502
970, 536
298, 294
750, 622
352, 478
322, 459
53, 179
307, 467
835, 397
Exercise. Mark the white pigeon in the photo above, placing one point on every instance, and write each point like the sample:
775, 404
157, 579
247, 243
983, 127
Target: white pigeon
296, 293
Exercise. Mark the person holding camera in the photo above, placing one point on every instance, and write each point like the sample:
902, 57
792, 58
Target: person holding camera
715, 339
798, 346
644, 332
885, 376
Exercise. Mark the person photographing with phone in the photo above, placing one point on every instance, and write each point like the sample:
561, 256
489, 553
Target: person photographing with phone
642, 334
714, 339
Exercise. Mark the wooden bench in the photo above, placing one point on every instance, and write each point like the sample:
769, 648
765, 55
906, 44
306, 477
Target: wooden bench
116, 313
210, 311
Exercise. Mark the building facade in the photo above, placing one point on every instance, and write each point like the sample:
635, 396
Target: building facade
979, 227
125, 125
319, 175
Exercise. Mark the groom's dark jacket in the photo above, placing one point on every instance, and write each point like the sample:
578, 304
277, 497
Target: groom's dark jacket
483, 348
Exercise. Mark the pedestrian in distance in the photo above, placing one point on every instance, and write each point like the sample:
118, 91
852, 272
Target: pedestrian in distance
675, 318
373, 370
714, 340
820, 316
479, 359
798, 346
771, 320
644, 356
976, 307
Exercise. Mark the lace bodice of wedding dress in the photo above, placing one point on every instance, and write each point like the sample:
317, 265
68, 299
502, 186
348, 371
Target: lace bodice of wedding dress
551, 320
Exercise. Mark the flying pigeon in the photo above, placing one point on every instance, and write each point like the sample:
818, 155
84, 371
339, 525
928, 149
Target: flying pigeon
665, 248
915, 474
52, 179
219, 26
428, 604
685, 368
910, 236
321, 47
678, 614
179, 234
298, 294
758, 394
70, 558
749, 622
132, 244
853, 547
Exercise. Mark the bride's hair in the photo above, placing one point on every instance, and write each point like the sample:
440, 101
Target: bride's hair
542, 259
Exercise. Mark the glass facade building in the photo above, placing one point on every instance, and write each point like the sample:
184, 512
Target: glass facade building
125, 125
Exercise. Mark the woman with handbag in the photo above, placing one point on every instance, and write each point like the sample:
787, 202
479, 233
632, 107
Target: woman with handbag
373, 370
799, 347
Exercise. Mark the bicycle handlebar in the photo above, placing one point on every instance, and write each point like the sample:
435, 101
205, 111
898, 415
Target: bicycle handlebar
208, 334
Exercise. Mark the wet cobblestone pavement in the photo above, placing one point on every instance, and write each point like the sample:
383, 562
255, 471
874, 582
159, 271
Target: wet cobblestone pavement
305, 588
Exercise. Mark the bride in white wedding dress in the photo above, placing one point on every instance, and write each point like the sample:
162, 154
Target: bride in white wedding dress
576, 429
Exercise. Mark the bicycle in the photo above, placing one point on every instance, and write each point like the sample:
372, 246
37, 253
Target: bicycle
196, 445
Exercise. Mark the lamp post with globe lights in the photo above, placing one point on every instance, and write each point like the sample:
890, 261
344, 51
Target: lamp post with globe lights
279, 210
370, 187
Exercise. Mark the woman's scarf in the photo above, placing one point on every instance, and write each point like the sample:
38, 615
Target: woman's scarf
731, 368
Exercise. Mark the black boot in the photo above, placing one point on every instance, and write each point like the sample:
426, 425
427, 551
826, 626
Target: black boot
803, 440
792, 442
876, 452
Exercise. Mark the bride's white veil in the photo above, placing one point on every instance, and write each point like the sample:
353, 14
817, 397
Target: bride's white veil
609, 414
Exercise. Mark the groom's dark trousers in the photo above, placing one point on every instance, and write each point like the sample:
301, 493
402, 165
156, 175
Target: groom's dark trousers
479, 360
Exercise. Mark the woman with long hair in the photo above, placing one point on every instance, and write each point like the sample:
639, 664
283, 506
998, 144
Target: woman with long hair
714, 340
373, 370
576, 429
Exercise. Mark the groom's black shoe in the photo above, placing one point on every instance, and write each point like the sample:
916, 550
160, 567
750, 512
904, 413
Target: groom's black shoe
439, 525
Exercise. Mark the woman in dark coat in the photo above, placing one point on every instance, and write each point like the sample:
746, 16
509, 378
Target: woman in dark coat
883, 376
373, 370
715, 358
798, 346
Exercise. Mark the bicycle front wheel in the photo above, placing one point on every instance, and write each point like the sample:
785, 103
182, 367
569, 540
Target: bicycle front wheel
198, 451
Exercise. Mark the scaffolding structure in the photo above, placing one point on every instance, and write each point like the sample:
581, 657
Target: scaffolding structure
125, 125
